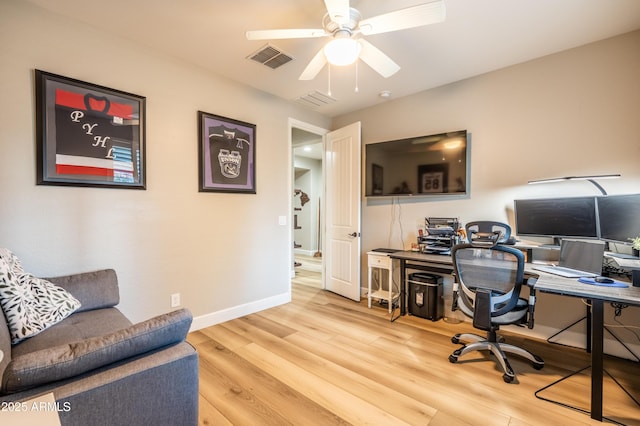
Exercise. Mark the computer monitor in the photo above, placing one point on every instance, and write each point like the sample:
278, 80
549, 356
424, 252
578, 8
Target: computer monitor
557, 217
619, 217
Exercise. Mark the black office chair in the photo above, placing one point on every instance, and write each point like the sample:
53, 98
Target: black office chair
488, 280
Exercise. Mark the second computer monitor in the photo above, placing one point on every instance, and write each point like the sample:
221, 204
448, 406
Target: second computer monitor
619, 217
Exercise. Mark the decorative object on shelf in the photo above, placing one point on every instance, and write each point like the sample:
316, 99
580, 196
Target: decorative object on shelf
226, 154
88, 135
635, 245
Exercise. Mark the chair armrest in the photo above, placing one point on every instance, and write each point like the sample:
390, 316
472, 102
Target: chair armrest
531, 282
456, 287
94, 290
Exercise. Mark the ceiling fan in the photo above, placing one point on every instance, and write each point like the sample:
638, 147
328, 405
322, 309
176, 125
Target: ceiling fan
346, 27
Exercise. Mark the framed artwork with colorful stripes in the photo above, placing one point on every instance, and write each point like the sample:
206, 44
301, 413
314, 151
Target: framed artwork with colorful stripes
88, 135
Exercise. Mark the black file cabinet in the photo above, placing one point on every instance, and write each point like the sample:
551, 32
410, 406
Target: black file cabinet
425, 296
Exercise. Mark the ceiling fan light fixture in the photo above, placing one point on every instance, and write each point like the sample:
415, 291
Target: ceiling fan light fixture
342, 51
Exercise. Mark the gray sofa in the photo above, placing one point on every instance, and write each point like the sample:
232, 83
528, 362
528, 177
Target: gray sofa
101, 368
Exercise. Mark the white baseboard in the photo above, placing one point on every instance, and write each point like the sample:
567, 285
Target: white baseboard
304, 252
213, 318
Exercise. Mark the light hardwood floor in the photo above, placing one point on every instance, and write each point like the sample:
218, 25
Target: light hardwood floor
326, 360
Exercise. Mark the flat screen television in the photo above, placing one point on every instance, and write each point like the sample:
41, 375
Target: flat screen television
619, 217
424, 165
557, 217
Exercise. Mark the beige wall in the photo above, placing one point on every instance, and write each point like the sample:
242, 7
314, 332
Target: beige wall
572, 113
225, 253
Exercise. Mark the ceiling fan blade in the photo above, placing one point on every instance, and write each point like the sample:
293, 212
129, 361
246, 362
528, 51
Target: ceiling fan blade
282, 34
317, 63
415, 16
377, 60
339, 10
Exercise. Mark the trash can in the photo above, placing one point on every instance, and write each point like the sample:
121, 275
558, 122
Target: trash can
425, 296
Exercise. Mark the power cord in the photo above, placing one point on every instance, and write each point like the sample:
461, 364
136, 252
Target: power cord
618, 307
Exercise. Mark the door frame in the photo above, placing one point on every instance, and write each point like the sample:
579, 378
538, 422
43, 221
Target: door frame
322, 132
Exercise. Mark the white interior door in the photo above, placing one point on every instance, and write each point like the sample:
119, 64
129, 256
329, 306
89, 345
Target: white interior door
342, 187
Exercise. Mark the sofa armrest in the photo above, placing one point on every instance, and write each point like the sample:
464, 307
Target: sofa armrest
94, 290
65, 361
158, 388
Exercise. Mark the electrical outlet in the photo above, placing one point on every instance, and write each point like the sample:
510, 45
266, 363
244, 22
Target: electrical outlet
175, 300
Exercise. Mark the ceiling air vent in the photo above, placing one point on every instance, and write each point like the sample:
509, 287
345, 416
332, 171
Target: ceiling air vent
315, 99
270, 56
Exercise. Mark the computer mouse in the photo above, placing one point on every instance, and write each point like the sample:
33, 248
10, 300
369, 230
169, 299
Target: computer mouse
604, 280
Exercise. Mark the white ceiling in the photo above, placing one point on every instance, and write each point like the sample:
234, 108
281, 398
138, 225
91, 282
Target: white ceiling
478, 36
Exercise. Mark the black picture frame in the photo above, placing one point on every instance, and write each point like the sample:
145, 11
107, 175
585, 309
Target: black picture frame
88, 135
433, 179
226, 154
377, 179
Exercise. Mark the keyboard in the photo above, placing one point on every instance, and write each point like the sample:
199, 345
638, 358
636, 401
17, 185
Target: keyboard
563, 271
622, 255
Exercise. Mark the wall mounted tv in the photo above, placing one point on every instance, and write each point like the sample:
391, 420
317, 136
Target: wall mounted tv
431, 165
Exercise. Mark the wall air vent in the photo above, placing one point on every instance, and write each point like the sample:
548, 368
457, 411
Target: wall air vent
270, 56
315, 99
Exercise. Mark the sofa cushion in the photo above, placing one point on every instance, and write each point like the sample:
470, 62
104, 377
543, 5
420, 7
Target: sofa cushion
30, 304
76, 327
65, 361
94, 290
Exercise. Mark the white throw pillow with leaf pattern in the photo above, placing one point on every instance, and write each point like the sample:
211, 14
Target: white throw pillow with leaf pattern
30, 304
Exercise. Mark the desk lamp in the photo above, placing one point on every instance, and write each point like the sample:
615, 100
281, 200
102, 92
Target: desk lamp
591, 179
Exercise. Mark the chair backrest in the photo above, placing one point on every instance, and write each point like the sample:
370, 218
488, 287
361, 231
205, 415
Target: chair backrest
487, 232
498, 269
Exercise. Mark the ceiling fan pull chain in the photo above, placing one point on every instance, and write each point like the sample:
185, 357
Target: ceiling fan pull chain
356, 89
329, 79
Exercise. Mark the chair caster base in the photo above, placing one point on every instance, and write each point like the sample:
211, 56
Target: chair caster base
538, 363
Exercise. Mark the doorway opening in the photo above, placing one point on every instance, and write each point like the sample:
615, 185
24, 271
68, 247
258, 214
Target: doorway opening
307, 144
